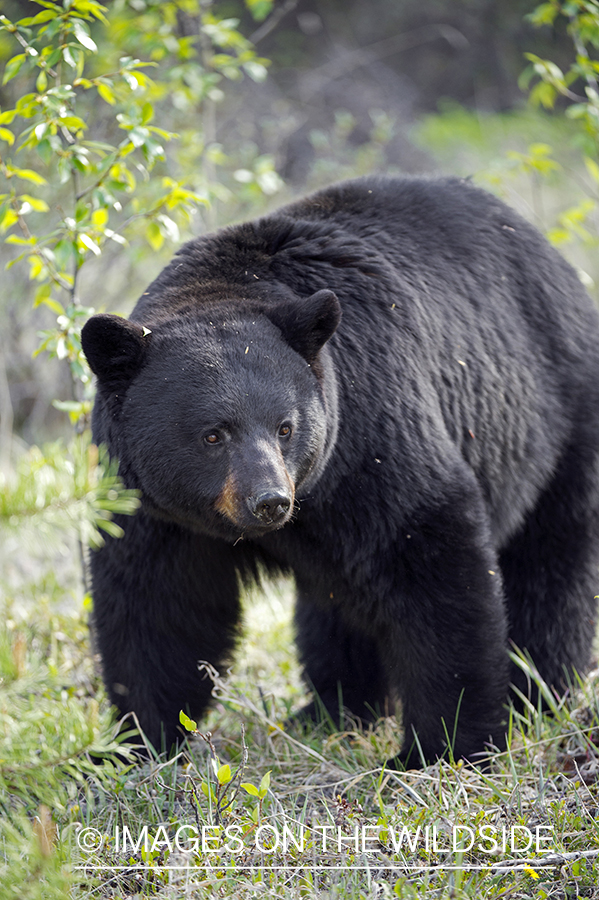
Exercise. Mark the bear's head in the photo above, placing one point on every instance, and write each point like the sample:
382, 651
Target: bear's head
221, 416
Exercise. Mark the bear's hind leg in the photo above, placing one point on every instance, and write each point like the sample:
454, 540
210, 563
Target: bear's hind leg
551, 574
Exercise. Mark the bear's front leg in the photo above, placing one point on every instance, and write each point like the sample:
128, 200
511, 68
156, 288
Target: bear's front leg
445, 650
164, 599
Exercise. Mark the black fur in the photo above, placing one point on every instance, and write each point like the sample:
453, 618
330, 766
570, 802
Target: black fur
426, 465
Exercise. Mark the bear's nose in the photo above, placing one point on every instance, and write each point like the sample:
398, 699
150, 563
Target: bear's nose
269, 506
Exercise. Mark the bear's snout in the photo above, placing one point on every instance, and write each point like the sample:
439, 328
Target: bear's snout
270, 506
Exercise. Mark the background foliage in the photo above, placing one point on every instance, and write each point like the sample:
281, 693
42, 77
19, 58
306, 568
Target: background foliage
125, 129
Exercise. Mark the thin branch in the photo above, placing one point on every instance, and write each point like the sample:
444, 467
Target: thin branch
553, 859
29, 50
363, 56
272, 21
54, 275
115, 155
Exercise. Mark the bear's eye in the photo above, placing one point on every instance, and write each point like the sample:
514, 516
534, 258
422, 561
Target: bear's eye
284, 430
212, 438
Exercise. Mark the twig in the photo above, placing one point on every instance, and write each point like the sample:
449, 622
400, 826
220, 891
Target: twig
379, 49
31, 51
276, 727
554, 859
271, 22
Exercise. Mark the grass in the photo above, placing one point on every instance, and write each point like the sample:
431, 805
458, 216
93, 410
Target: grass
311, 813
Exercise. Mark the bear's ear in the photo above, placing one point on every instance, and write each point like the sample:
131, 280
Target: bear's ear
114, 348
307, 324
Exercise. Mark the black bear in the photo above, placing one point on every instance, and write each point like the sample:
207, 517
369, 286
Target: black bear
391, 390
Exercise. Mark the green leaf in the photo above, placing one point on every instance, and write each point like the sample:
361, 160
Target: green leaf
256, 71
186, 722
93, 8
543, 14
27, 175
12, 67
6, 135
167, 135
73, 122
64, 169
61, 350
152, 150
42, 82
21, 242
147, 113
64, 252
592, 168
100, 218
265, 784
106, 93
543, 94
559, 236
259, 8
34, 202
110, 527
138, 136
45, 151
42, 294
54, 56
154, 236
44, 16
27, 105
243, 176
88, 242
8, 220
82, 34
223, 776
207, 791
36, 267
250, 788
40, 130
48, 301
69, 57
168, 227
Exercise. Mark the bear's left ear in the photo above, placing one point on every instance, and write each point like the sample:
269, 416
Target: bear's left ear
114, 348
307, 324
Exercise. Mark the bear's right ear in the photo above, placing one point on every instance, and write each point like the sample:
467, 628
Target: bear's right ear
307, 324
114, 348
